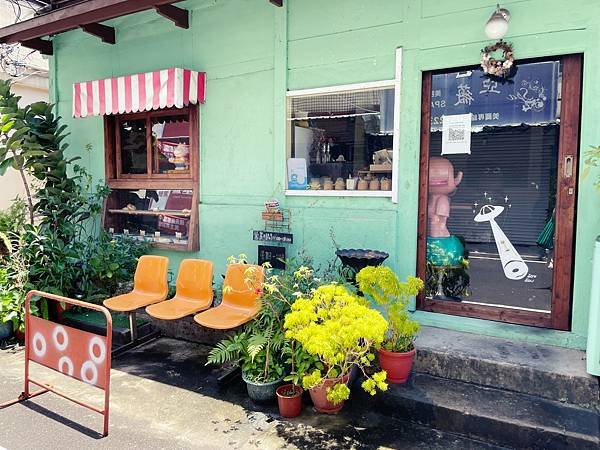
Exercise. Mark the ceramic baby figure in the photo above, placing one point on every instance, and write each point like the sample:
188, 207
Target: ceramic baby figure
443, 249
442, 183
181, 157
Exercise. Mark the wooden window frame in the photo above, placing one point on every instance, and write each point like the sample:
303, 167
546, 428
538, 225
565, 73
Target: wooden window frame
562, 281
190, 181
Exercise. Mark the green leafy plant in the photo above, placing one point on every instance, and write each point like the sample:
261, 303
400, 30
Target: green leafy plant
13, 284
107, 262
13, 218
261, 348
383, 286
5, 245
257, 348
64, 251
341, 330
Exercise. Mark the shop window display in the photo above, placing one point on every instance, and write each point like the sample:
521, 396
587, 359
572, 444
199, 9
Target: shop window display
153, 175
160, 216
341, 140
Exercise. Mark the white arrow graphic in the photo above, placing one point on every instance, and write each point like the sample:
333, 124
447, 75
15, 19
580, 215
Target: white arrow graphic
513, 265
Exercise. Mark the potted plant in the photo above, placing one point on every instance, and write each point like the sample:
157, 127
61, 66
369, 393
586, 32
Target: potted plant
261, 348
340, 330
289, 396
397, 352
258, 350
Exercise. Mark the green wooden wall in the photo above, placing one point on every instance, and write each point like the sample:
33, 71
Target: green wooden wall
253, 52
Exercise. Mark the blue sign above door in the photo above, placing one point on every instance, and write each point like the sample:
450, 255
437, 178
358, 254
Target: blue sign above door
530, 97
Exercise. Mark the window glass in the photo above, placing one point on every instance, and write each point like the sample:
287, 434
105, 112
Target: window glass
155, 215
492, 186
341, 141
133, 146
171, 144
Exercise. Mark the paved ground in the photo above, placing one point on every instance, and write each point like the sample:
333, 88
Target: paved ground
164, 397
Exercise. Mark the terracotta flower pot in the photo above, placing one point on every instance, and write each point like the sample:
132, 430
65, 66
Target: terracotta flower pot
318, 395
396, 365
20, 335
289, 405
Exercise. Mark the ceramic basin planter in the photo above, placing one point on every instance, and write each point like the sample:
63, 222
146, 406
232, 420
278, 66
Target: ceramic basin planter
397, 364
358, 258
289, 400
261, 392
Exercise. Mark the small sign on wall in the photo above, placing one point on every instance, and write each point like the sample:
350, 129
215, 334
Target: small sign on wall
273, 236
273, 255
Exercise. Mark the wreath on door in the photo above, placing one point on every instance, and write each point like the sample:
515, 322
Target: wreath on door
498, 67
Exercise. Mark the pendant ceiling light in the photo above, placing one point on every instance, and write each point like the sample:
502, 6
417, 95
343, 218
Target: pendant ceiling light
497, 25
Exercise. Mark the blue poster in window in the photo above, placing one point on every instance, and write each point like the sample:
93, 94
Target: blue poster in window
530, 97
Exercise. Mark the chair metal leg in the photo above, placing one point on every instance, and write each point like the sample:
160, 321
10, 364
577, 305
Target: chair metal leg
133, 326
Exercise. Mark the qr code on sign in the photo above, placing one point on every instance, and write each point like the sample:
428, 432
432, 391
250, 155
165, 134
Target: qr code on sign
456, 134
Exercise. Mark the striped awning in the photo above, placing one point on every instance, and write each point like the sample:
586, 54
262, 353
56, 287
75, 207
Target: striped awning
140, 92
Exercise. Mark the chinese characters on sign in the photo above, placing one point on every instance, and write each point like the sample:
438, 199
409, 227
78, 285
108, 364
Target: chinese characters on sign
528, 98
273, 236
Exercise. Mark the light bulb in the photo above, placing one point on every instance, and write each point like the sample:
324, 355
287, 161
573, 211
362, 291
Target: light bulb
497, 25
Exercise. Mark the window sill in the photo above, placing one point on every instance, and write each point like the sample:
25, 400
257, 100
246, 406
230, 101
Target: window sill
320, 193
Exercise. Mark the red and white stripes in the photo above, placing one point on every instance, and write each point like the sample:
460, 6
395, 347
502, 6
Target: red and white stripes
140, 92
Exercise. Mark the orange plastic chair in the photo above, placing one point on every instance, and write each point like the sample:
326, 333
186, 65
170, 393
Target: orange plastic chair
194, 291
240, 303
149, 286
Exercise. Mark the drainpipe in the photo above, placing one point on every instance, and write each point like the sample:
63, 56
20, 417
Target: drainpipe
593, 339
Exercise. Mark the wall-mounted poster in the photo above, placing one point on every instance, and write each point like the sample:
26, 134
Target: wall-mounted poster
456, 134
296, 170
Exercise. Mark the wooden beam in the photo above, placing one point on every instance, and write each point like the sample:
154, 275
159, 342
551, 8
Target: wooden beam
70, 17
42, 46
178, 16
277, 2
104, 32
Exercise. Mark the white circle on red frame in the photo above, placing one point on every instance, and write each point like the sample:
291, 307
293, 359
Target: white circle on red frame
60, 330
65, 360
39, 350
87, 366
96, 341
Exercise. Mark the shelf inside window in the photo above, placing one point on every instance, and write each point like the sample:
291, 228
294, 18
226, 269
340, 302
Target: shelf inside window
165, 242
141, 214
168, 212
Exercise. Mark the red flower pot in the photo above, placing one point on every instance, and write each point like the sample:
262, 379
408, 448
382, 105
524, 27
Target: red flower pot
20, 335
396, 365
289, 406
318, 395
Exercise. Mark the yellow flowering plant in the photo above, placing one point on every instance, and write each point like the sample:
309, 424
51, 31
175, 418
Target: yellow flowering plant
381, 285
341, 330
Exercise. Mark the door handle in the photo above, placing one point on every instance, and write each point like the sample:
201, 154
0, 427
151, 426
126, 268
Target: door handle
568, 166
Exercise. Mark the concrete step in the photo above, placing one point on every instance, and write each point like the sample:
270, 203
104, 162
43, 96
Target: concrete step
550, 372
492, 415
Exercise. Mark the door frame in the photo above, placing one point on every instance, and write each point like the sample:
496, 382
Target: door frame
566, 195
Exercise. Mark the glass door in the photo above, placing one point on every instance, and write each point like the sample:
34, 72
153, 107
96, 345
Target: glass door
497, 192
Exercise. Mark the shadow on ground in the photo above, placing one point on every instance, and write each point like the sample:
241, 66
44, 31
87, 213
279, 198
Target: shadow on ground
183, 365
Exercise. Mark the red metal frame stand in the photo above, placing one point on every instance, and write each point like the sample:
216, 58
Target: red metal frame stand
75, 353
